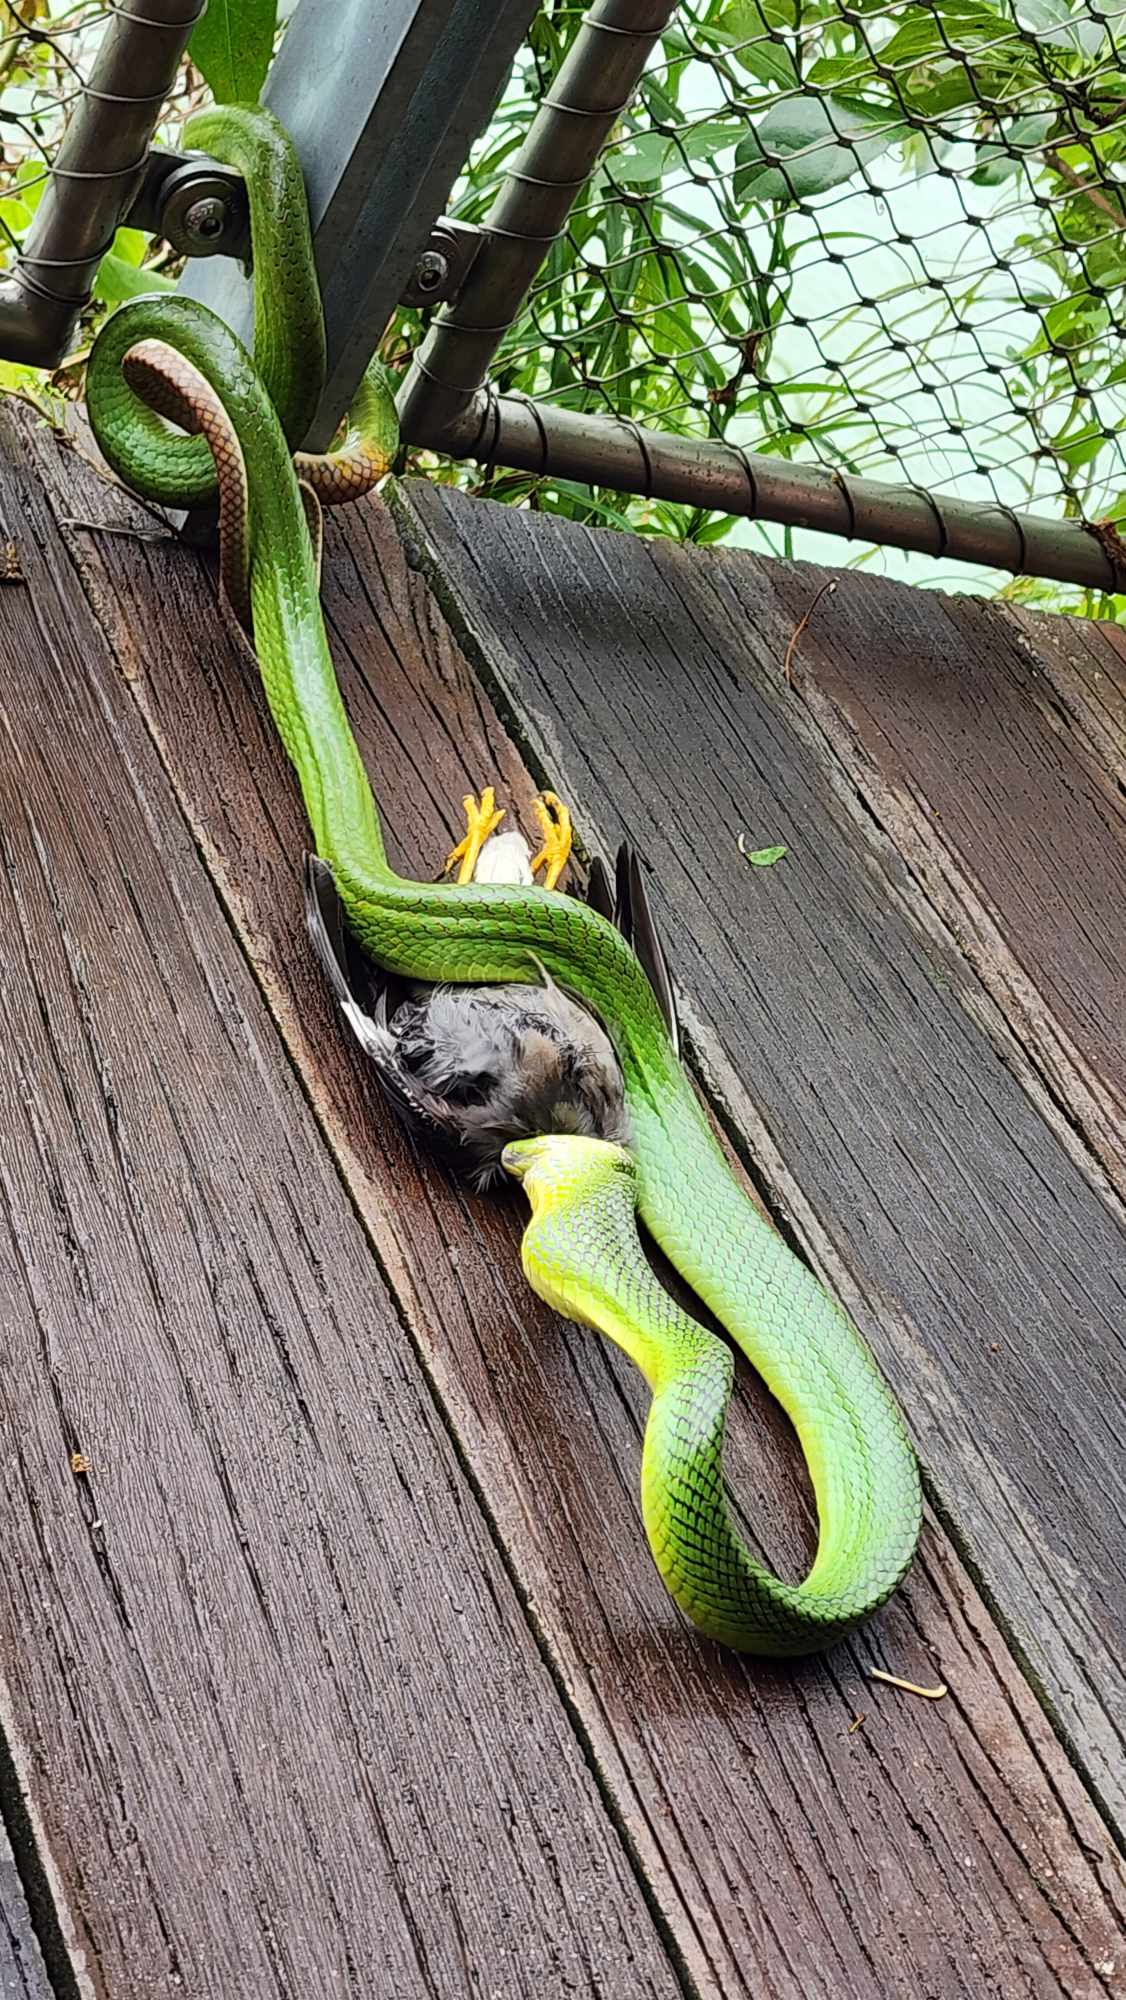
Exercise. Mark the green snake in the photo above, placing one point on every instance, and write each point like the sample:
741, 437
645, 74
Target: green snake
581, 1249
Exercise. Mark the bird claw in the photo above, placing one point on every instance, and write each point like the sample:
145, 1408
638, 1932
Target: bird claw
555, 833
482, 818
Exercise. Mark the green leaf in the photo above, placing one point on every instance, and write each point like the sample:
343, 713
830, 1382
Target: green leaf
744, 27
17, 375
761, 857
132, 245
583, 501
641, 157
807, 145
1052, 21
740, 20
997, 163
704, 141
1076, 320
767, 63
32, 386
1083, 448
231, 45
934, 90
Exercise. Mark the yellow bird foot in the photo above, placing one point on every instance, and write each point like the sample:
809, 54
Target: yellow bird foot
555, 832
482, 818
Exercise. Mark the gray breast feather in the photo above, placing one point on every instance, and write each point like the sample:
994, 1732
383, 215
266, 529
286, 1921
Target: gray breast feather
492, 1063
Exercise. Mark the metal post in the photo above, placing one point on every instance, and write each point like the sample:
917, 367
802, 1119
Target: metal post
705, 472
594, 86
100, 164
383, 99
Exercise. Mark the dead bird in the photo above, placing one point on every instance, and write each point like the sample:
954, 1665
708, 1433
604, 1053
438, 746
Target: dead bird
471, 1068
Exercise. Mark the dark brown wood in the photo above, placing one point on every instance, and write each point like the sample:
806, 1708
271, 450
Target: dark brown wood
1084, 661
278, 1712
1012, 824
942, 1849
842, 1023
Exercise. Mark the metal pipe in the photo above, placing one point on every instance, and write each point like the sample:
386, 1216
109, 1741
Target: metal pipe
594, 86
95, 177
382, 102
705, 472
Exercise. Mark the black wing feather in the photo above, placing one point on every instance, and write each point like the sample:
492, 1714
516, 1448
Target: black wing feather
626, 905
623, 902
600, 890
369, 1023
646, 941
325, 920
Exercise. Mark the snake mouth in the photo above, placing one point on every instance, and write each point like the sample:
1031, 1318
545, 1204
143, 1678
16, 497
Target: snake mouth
519, 1155
566, 1160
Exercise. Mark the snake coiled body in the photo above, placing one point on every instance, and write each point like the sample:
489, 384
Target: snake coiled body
582, 1248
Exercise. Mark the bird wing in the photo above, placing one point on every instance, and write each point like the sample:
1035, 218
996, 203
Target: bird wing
423, 1113
625, 903
600, 890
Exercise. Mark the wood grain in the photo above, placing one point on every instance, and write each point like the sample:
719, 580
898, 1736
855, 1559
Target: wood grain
1003, 805
276, 1711
1084, 662
944, 1850
929, 1187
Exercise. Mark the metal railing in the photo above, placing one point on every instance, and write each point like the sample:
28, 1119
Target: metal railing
826, 240
383, 99
838, 264
95, 177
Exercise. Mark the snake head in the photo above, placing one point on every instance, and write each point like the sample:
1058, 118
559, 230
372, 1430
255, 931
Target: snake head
564, 1165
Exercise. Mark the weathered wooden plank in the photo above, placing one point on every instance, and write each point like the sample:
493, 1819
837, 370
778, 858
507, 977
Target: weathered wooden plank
1014, 828
22, 1972
278, 1713
922, 1178
944, 1850
1084, 661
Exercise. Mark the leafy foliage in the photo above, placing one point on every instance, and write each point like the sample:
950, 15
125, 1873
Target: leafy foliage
231, 46
890, 239
887, 238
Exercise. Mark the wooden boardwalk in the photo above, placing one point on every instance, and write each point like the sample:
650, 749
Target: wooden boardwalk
333, 1662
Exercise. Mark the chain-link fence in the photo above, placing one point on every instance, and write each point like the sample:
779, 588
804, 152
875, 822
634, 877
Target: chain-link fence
886, 239
882, 241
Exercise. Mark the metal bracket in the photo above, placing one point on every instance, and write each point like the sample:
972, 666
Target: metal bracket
441, 269
200, 207
196, 204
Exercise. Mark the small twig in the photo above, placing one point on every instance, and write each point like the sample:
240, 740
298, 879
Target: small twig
1094, 195
855, 1724
109, 478
32, 403
909, 1687
115, 528
826, 589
